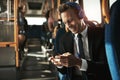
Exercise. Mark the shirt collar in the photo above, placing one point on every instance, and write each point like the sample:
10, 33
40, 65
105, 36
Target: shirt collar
84, 32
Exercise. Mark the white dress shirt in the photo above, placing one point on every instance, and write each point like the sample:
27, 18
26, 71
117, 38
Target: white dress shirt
84, 65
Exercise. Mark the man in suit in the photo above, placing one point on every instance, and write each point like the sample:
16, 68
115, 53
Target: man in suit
93, 64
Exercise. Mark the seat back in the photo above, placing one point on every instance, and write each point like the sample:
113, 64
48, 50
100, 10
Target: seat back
112, 41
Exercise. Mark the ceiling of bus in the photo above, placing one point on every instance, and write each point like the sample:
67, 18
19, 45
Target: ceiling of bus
39, 7
35, 7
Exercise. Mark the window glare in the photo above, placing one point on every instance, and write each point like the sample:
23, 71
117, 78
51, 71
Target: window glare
35, 20
111, 2
92, 10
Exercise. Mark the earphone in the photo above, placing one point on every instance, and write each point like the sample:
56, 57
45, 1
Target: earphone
77, 6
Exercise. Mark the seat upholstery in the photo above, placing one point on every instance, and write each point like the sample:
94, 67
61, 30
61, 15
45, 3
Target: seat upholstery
112, 41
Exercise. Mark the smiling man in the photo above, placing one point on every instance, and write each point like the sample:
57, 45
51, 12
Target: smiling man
82, 52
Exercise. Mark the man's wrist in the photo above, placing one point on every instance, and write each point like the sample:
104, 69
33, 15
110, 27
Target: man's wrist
82, 65
79, 63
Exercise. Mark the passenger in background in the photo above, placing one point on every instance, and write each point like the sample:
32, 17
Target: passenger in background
22, 29
80, 59
60, 31
48, 29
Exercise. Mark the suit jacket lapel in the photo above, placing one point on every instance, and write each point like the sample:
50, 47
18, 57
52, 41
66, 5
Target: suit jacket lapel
90, 41
68, 43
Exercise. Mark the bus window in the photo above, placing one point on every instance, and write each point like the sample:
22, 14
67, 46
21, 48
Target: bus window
35, 20
92, 10
111, 2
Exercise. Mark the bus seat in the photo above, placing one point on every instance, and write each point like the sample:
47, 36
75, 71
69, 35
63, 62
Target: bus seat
112, 41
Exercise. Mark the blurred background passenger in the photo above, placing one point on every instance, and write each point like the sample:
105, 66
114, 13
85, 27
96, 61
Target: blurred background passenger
23, 28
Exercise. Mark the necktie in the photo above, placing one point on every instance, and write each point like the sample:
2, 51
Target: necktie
81, 54
80, 44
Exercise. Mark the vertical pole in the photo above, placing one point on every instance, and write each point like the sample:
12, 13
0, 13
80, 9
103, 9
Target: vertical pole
58, 4
16, 31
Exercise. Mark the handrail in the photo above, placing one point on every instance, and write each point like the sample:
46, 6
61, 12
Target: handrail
105, 10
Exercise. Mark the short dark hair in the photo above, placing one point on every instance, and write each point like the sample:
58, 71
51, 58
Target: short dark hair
65, 7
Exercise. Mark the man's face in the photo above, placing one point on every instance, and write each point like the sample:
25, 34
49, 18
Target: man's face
71, 20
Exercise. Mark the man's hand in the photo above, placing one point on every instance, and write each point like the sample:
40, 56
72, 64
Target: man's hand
55, 60
69, 60
66, 59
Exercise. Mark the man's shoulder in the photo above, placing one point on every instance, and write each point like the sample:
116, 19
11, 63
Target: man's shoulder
96, 29
67, 36
96, 32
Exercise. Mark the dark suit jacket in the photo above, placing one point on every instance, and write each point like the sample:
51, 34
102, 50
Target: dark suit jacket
97, 67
